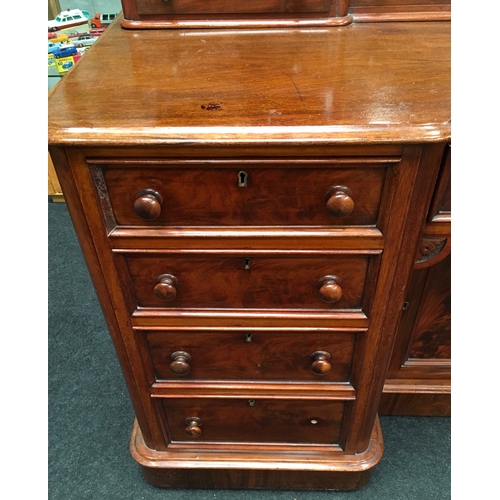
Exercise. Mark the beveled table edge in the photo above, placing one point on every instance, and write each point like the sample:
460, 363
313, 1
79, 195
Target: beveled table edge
265, 135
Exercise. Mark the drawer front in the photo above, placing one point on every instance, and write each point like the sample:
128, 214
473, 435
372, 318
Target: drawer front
257, 281
239, 194
146, 7
298, 356
254, 421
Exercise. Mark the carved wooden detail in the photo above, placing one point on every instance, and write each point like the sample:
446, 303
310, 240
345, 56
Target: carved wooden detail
103, 197
431, 251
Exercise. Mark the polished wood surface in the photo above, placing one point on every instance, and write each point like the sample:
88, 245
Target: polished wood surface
310, 469
181, 363
278, 86
365, 11
231, 7
256, 421
273, 282
253, 355
186, 193
431, 337
419, 376
148, 204
255, 292
166, 287
145, 14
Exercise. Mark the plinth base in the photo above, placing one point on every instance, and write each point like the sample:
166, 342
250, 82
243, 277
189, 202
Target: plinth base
262, 469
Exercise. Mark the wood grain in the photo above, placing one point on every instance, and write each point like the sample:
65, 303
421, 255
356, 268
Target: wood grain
144, 14
272, 282
292, 106
251, 355
369, 11
431, 337
311, 469
257, 420
221, 7
352, 86
292, 193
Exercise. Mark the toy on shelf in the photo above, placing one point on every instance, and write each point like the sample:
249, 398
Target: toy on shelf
85, 40
64, 51
102, 20
52, 47
97, 32
72, 23
69, 36
58, 37
64, 64
52, 69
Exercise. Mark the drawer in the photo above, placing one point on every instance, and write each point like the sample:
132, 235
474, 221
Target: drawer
147, 7
244, 193
259, 355
277, 281
254, 420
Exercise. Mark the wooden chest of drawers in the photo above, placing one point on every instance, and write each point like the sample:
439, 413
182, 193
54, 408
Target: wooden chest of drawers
250, 224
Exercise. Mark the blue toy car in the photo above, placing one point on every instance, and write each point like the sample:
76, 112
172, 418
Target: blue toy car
65, 51
53, 47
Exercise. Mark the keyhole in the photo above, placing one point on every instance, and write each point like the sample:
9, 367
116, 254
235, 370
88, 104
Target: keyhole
246, 264
242, 179
248, 337
251, 402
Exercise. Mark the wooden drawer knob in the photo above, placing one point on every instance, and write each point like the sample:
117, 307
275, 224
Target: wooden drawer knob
180, 363
339, 202
193, 427
321, 362
148, 204
330, 289
166, 287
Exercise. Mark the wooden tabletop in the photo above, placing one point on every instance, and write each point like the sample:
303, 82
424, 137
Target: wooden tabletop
366, 83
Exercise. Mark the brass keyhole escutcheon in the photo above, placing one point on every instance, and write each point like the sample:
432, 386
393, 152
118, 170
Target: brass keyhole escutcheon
242, 179
246, 264
251, 402
248, 337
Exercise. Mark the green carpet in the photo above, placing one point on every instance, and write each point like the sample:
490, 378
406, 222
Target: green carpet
90, 416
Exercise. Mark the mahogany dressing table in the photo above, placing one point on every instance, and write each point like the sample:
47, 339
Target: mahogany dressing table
251, 204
